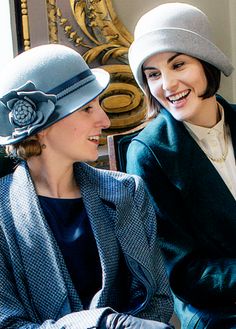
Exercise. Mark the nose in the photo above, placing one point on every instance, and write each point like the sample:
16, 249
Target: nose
104, 121
169, 82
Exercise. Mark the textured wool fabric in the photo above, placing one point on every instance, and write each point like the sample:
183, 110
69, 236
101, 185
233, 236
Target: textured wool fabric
36, 290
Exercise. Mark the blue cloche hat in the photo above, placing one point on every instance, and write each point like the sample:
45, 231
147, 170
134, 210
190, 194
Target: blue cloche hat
42, 86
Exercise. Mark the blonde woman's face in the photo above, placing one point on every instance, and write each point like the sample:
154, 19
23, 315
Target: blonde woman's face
76, 137
176, 81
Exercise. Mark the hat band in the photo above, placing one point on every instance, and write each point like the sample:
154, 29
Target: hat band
75, 83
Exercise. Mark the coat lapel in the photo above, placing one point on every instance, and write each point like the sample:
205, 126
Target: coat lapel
103, 229
173, 148
113, 226
185, 163
230, 117
39, 251
206, 198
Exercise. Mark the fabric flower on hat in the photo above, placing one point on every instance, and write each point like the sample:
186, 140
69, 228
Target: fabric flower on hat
28, 108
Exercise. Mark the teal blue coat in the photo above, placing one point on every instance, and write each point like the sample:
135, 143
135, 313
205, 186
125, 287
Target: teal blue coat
196, 215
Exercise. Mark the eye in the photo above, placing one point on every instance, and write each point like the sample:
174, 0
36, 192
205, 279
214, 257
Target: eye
178, 65
87, 109
153, 75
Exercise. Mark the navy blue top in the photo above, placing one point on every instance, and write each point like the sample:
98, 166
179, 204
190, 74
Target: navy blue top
71, 227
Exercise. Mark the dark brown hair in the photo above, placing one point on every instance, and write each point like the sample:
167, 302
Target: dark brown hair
212, 74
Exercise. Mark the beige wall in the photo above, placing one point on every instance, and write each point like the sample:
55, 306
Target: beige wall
222, 17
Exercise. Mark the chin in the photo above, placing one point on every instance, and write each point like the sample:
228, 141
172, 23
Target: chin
92, 158
179, 118
87, 158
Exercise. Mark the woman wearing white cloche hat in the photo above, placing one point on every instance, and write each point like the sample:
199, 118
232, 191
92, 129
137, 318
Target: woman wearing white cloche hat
186, 156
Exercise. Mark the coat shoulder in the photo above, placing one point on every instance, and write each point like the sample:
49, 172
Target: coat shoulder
5, 183
163, 131
114, 184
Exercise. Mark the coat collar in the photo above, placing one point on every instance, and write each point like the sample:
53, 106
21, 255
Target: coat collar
111, 189
40, 262
32, 229
230, 118
89, 180
98, 188
172, 147
179, 155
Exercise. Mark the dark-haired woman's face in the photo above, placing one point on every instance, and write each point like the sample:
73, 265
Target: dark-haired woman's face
176, 81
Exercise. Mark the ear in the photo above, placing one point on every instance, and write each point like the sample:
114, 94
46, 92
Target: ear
41, 135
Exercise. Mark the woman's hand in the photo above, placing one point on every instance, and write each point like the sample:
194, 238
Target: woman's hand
123, 321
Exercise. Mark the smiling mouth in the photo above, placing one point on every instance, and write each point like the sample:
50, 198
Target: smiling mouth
94, 138
178, 97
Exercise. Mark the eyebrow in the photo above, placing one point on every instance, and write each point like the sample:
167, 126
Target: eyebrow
168, 62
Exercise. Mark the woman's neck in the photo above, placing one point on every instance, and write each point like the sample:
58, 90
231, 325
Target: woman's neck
208, 115
53, 179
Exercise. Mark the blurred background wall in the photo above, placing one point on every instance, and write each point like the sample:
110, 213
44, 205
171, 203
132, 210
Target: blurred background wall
42, 14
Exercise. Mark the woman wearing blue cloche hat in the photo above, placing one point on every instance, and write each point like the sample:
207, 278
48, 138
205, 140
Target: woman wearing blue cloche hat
78, 245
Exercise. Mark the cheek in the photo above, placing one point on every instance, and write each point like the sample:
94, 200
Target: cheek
155, 89
78, 133
75, 131
203, 85
68, 134
198, 79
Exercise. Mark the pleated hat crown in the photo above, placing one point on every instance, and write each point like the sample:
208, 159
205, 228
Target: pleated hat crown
175, 27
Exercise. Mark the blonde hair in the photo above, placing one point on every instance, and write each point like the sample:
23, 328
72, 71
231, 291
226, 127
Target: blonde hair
25, 149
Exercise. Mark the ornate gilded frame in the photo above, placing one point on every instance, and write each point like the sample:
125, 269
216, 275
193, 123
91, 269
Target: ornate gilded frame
22, 24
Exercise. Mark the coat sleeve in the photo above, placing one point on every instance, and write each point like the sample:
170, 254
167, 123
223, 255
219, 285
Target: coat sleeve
195, 277
160, 307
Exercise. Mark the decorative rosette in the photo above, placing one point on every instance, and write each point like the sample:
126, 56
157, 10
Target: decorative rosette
29, 109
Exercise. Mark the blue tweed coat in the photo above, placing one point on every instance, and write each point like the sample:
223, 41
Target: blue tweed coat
36, 290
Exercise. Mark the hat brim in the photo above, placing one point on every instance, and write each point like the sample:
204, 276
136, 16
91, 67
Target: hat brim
175, 40
70, 103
